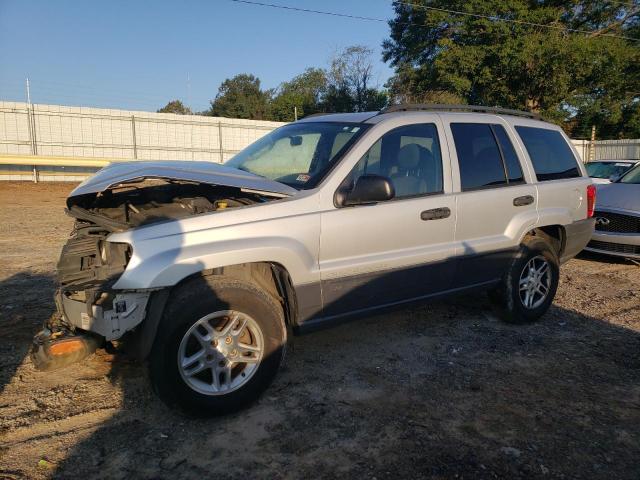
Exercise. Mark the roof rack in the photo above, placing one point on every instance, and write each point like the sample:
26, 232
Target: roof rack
412, 107
319, 114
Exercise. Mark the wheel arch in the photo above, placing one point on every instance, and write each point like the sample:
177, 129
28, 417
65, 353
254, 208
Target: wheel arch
554, 234
272, 277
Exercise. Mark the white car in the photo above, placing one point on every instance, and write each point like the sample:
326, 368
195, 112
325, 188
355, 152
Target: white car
205, 270
604, 171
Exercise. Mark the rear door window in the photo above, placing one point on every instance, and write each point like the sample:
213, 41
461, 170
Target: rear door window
551, 156
479, 157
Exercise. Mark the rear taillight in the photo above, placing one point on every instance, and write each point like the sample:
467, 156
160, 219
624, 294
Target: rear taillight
591, 200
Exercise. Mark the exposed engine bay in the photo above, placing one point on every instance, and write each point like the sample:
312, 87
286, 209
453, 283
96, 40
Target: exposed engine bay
147, 201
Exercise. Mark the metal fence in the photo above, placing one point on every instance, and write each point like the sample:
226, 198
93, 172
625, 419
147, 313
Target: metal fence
608, 149
54, 142
60, 131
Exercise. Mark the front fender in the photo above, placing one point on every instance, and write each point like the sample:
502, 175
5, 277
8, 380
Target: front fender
167, 267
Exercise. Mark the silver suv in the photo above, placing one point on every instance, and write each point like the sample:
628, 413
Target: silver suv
204, 270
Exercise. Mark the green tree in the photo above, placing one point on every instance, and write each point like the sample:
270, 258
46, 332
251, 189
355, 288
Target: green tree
304, 92
241, 97
573, 78
175, 106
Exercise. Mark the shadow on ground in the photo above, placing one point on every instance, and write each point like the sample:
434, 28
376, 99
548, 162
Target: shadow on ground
433, 391
606, 259
25, 301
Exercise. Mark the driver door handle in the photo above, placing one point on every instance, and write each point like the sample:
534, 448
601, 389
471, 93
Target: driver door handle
435, 213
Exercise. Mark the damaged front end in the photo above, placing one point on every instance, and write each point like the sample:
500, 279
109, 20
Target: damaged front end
90, 311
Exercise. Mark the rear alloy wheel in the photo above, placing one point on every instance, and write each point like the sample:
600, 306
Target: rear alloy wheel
535, 282
530, 283
219, 345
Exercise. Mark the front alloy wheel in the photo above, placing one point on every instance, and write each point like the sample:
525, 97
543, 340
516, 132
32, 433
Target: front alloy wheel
219, 345
220, 352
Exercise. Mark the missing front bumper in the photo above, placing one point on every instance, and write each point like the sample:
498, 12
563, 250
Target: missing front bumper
109, 315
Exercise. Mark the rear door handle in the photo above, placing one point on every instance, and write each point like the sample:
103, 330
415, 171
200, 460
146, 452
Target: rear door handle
436, 213
522, 201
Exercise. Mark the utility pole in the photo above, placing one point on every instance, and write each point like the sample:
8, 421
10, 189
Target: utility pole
295, 113
220, 142
28, 93
188, 92
190, 113
592, 144
32, 130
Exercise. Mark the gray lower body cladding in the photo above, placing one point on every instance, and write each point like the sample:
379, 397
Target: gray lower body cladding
358, 295
577, 236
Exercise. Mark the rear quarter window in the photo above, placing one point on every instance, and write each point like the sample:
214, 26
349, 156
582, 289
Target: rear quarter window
551, 156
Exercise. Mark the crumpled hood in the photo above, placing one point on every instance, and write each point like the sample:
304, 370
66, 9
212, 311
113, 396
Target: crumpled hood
203, 172
624, 196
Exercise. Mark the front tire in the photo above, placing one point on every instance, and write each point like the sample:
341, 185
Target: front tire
219, 345
530, 283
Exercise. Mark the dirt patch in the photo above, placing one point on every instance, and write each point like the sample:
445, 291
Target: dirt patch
439, 391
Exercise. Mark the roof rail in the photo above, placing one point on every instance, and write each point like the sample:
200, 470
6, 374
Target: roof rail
411, 107
319, 114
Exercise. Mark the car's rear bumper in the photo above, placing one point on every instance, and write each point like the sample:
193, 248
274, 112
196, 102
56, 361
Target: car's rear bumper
578, 235
619, 244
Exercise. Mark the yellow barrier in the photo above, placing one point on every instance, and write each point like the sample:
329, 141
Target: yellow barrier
39, 160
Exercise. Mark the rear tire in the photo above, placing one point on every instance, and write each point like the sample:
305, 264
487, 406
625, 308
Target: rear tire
219, 345
530, 283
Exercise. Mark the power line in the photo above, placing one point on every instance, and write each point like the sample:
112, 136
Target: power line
454, 12
50, 91
308, 10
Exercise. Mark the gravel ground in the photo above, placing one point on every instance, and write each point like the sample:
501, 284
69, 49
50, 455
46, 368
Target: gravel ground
438, 391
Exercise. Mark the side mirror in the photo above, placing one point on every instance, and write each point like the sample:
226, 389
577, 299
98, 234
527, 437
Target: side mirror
369, 189
613, 178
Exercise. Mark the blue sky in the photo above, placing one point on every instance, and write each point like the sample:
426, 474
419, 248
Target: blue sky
138, 54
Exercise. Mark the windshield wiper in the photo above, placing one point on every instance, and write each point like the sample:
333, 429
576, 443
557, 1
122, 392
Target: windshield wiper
249, 171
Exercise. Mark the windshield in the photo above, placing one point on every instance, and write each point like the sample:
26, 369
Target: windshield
607, 169
632, 176
298, 154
